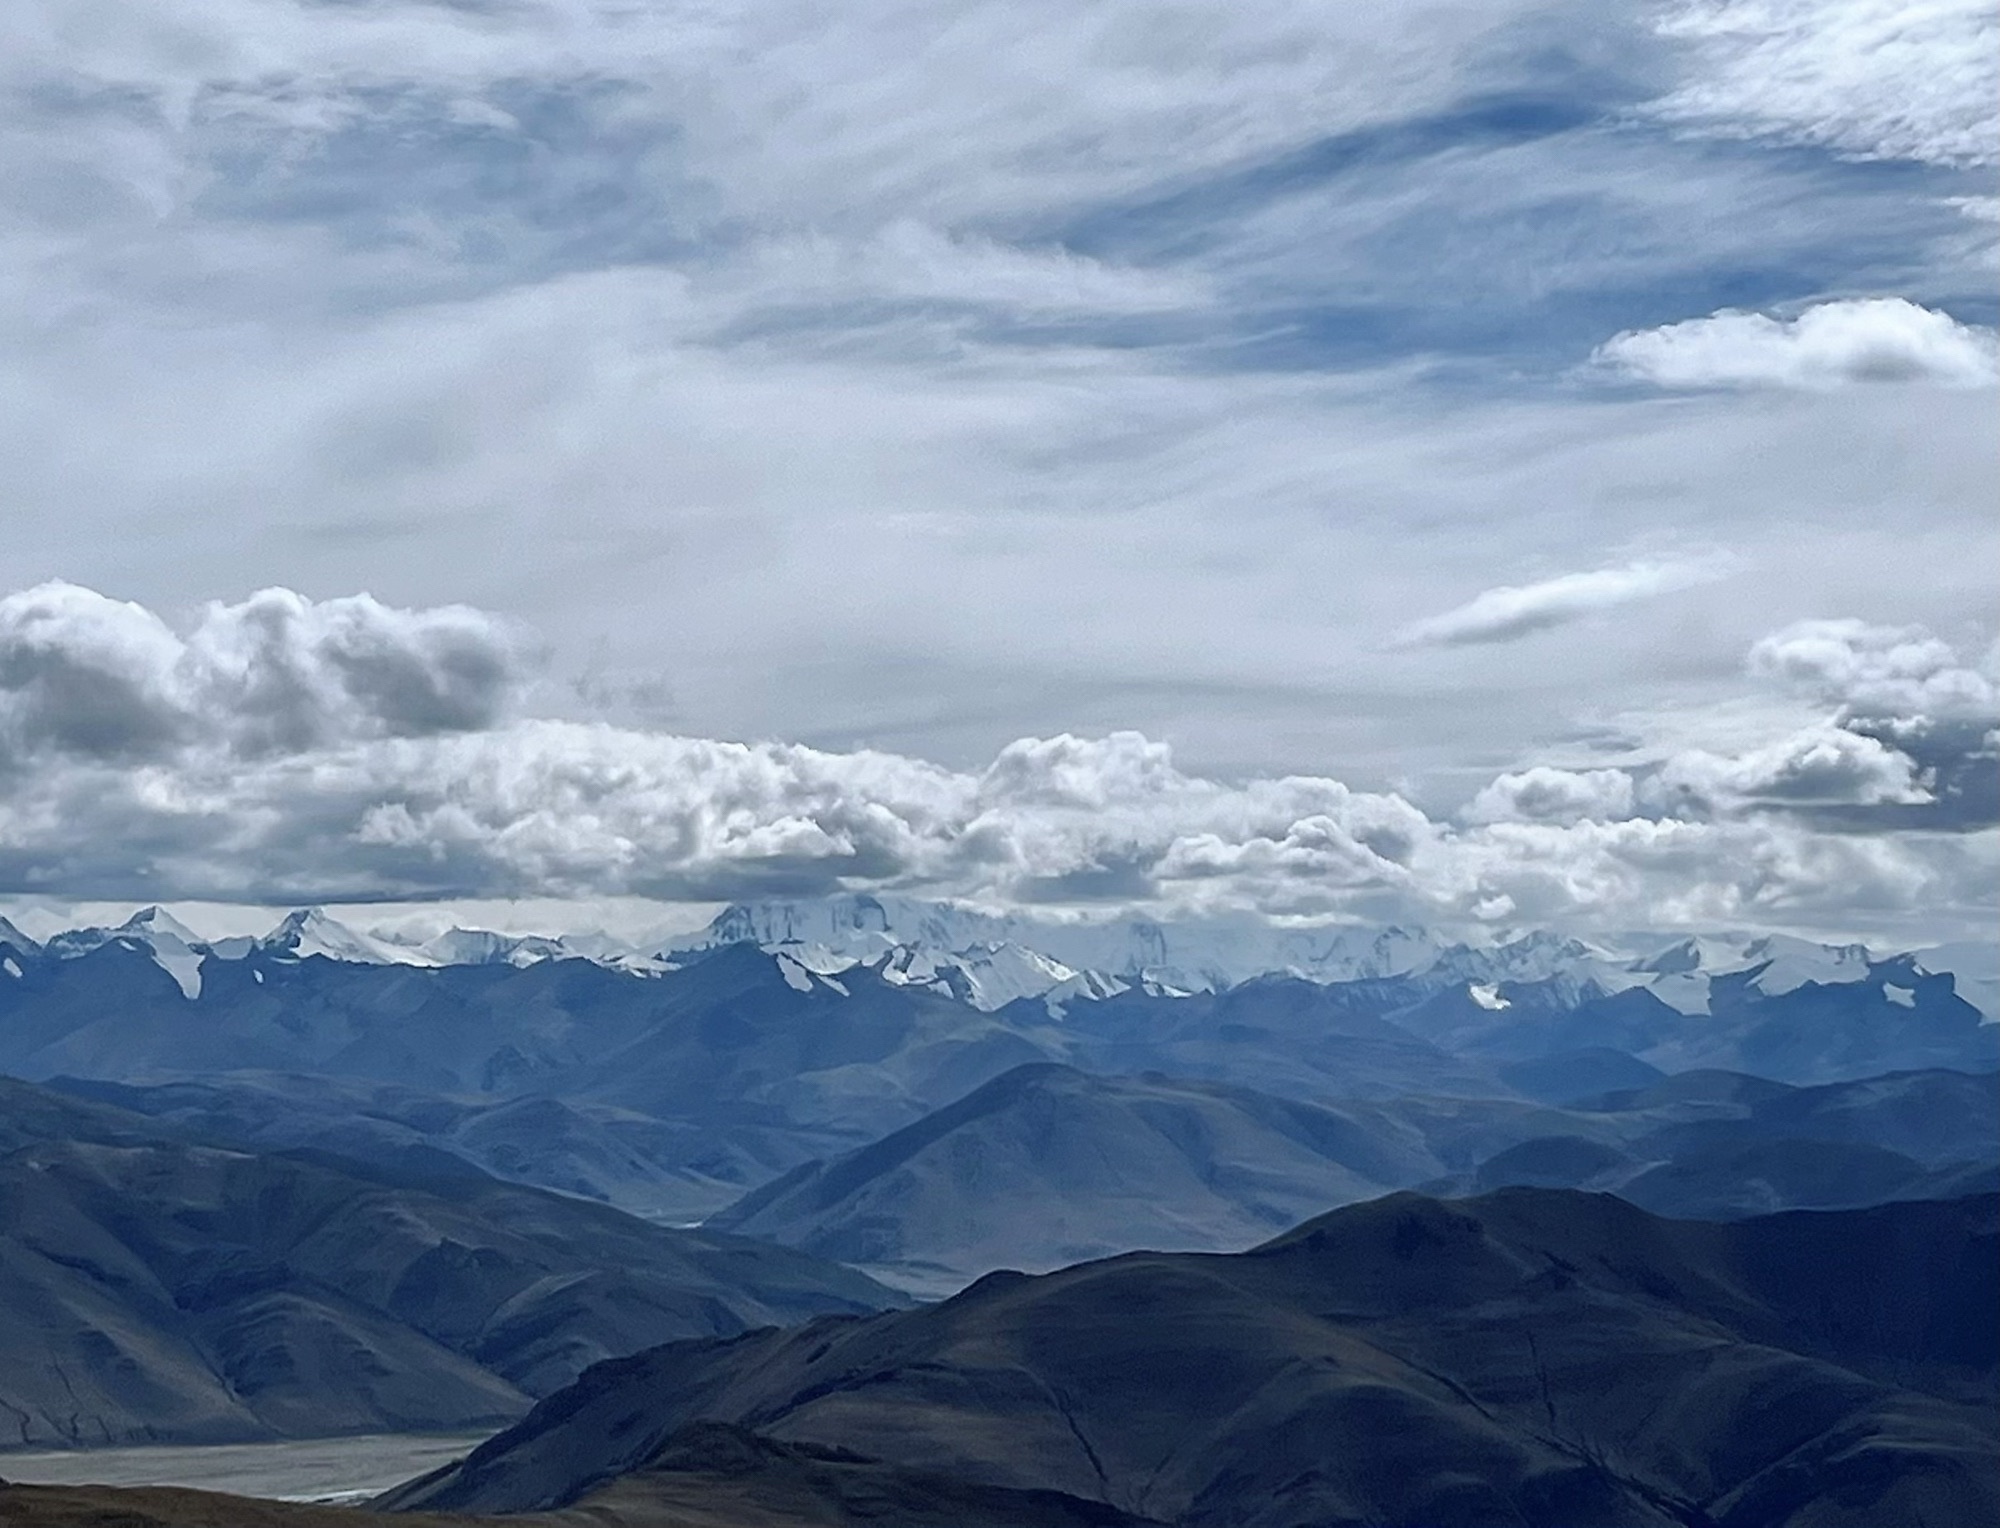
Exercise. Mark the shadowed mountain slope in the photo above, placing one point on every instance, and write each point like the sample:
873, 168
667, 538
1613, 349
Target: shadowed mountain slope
160, 1290
1532, 1357
676, 1171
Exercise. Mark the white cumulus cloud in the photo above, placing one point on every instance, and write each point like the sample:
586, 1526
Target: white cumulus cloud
1876, 671
282, 749
1832, 344
103, 678
1826, 765
1546, 794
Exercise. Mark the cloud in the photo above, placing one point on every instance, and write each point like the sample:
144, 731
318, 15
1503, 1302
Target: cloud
1827, 765
1879, 672
270, 773
912, 262
87, 675
1876, 79
1911, 693
1511, 612
1832, 344
291, 674
107, 680
882, 376
1547, 794
783, 115
1676, 873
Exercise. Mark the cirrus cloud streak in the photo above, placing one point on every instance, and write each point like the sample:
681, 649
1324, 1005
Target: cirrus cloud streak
1510, 612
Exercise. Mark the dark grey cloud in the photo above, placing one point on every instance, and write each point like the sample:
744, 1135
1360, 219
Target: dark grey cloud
291, 674
84, 675
1911, 695
101, 679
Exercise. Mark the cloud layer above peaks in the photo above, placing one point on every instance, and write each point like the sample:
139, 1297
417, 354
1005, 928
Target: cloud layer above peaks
282, 750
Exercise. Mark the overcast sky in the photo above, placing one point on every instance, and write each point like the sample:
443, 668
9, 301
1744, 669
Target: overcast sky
1477, 461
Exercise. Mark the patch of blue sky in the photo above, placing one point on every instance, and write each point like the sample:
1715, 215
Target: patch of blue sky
1524, 233
1508, 234
543, 179
1186, 220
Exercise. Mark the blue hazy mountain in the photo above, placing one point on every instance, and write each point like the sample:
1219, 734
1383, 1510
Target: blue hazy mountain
155, 1288
1046, 1165
672, 1088
672, 1171
751, 1020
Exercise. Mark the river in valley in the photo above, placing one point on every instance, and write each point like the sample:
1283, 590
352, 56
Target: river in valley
316, 1469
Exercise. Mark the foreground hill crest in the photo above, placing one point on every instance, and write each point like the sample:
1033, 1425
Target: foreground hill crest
1535, 1356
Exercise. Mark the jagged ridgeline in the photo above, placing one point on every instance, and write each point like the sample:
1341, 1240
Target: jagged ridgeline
673, 1079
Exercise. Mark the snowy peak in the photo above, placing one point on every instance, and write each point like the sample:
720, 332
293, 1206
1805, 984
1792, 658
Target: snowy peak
852, 924
174, 947
16, 949
802, 973
486, 947
1189, 955
1784, 965
1974, 968
309, 932
983, 976
989, 976
483, 947
1680, 973
158, 923
939, 944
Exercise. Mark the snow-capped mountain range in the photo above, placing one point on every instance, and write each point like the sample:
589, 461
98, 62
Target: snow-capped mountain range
988, 960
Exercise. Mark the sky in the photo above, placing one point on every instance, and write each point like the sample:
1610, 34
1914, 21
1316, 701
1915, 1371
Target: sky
1498, 464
